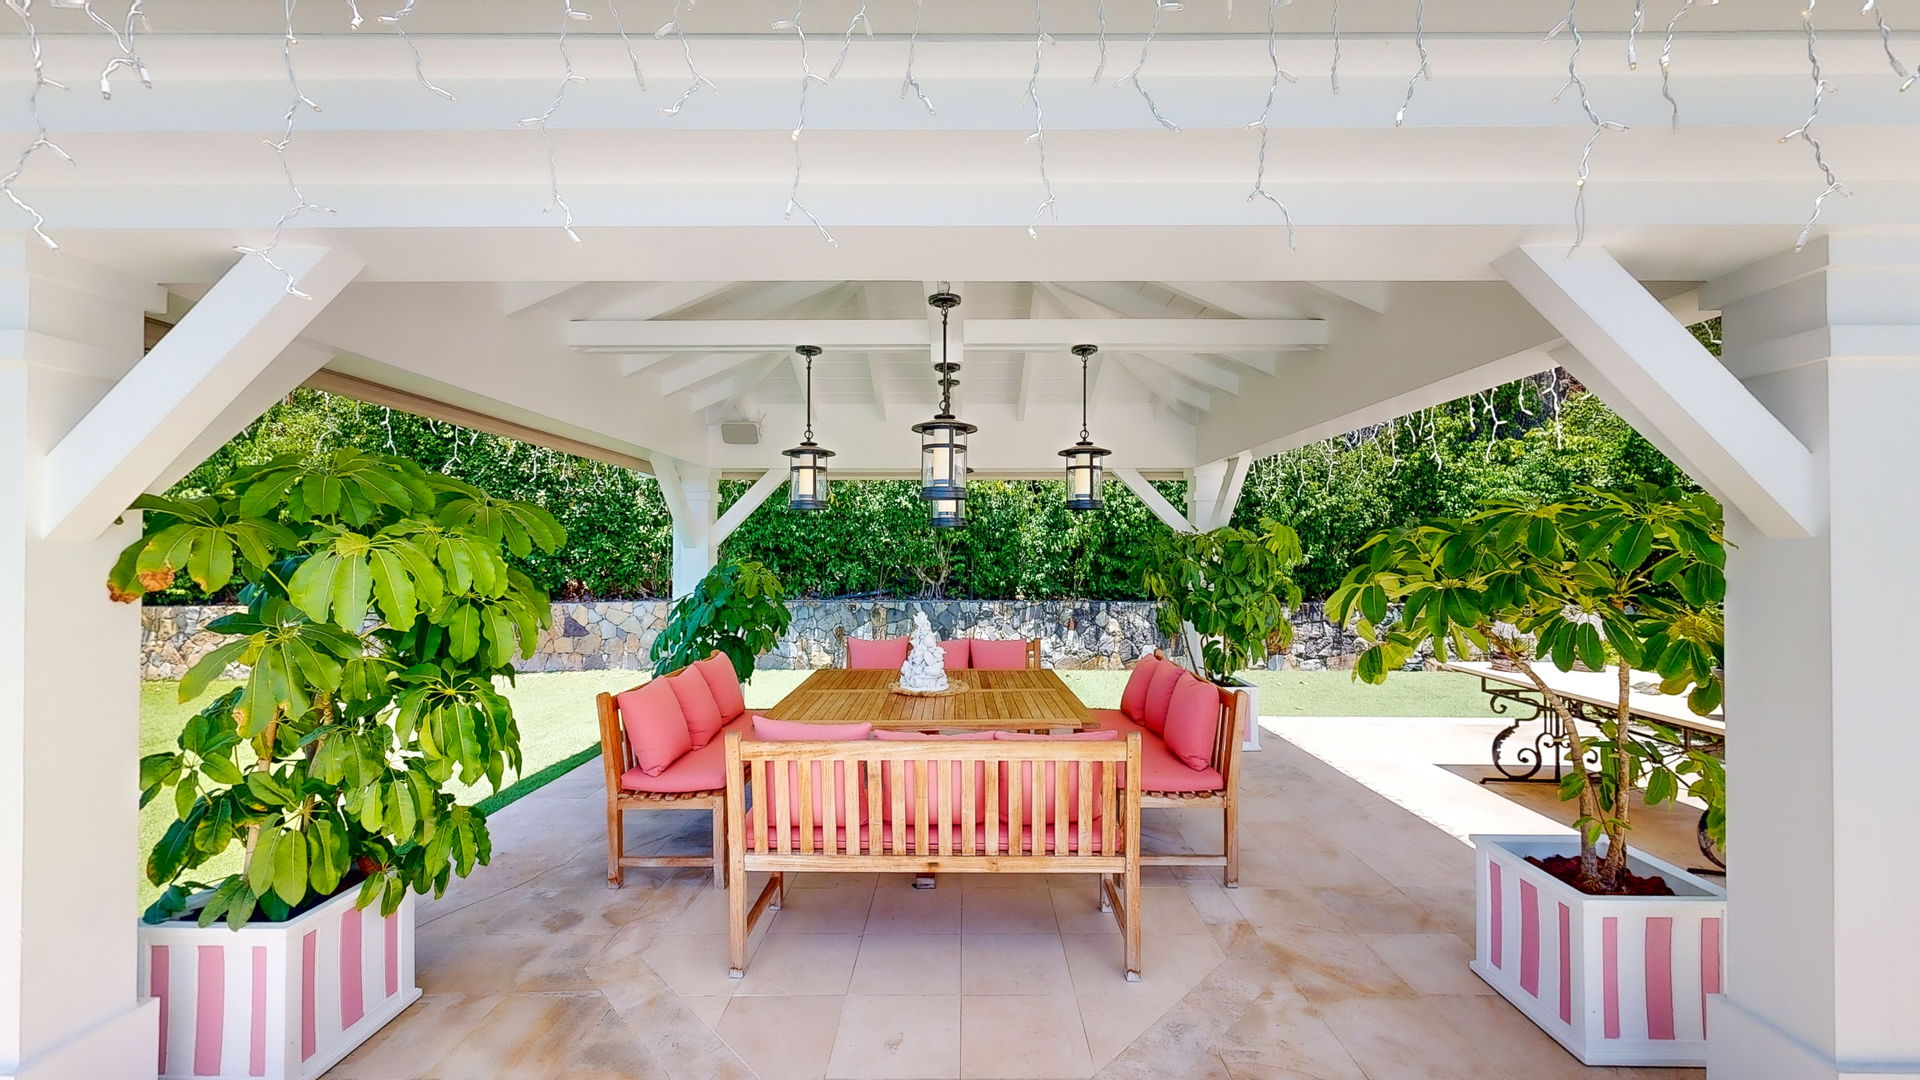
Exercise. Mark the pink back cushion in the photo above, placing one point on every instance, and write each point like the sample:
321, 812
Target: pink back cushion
1193, 722
656, 731
1049, 778
788, 786
959, 656
697, 705
1153, 712
942, 782
876, 655
1133, 700
725, 684
999, 655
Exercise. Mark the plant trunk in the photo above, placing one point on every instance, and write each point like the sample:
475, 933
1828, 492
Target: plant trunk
1588, 801
1623, 760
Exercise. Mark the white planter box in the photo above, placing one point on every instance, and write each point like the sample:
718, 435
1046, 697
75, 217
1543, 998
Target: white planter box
1618, 980
1250, 693
284, 1001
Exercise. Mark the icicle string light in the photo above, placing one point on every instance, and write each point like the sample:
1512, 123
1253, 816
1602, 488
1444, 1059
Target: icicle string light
1273, 87
1633, 34
555, 200
910, 83
696, 81
1333, 73
419, 67
1100, 12
858, 23
354, 19
1424, 71
122, 39
1906, 77
626, 40
1049, 207
24, 9
1666, 60
1575, 82
1160, 8
807, 78
301, 204
1805, 131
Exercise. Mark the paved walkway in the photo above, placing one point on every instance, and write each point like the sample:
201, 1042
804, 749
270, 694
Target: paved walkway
1343, 956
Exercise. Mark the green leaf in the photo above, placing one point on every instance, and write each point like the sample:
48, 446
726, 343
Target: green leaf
1632, 546
290, 868
210, 667
260, 865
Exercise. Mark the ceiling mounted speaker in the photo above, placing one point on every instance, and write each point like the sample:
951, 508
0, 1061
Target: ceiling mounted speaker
740, 433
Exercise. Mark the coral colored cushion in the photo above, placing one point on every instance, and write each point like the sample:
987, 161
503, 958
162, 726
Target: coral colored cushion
656, 729
940, 779
725, 684
876, 655
999, 655
704, 769
702, 712
1133, 700
1193, 722
1159, 769
1049, 778
1153, 712
789, 731
959, 656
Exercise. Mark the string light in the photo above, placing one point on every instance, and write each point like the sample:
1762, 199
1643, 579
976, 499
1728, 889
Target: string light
123, 39
1100, 11
1666, 60
807, 78
1633, 34
696, 81
911, 83
301, 204
620, 27
1907, 78
419, 69
1571, 23
1805, 131
557, 201
24, 9
1260, 171
356, 20
1333, 73
1049, 206
1421, 72
1160, 7
858, 22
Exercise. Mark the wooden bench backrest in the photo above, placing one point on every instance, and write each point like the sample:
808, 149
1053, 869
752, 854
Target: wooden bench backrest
1227, 738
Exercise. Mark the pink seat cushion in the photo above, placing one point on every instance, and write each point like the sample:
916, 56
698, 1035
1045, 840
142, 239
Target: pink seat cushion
1193, 722
656, 729
704, 769
959, 656
943, 779
1153, 713
876, 655
1049, 778
999, 655
1159, 769
1133, 700
702, 713
725, 684
788, 786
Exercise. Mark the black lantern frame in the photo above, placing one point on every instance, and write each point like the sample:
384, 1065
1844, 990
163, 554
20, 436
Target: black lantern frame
943, 439
807, 466
1084, 469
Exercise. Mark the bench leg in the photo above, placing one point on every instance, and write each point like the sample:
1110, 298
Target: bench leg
616, 844
719, 848
737, 926
1232, 834
1100, 886
779, 887
1132, 927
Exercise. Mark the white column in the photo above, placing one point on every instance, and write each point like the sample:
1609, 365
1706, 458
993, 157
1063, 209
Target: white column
1823, 806
69, 694
693, 496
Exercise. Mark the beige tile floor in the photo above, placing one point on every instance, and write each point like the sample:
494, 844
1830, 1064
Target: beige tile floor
1342, 956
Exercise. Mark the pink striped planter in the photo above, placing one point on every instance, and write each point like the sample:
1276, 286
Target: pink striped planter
1618, 980
283, 1001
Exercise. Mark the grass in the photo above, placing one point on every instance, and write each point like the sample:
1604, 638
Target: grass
558, 730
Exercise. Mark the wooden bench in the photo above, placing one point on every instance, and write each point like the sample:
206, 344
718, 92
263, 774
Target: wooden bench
806, 792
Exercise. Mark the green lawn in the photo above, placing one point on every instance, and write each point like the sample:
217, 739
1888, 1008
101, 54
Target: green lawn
558, 730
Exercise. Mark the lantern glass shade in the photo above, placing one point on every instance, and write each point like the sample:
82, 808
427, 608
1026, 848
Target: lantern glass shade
807, 476
948, 513
1084, 472
943, 458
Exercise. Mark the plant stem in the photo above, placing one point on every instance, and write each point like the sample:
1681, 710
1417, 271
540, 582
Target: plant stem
1589, 799
1623, 761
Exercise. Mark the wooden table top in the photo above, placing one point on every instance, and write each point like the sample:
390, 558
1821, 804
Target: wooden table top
1600, 689
1027, 699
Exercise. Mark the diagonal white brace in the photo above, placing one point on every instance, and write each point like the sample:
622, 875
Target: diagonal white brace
749, 501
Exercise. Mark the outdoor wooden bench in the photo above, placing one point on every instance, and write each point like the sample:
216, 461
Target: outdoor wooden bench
864, 806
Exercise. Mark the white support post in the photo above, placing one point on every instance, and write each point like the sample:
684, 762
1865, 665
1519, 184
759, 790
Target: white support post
692, 492
69, 667
1822, 804
1213, 490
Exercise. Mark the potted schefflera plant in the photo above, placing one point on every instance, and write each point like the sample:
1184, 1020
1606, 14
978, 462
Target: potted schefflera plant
311, 801
1228, 595
1607, 949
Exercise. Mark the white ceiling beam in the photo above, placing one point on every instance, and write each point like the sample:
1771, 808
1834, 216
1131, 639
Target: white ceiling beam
1147, 335
780, 297
1242, 300
634, 365
1369, 295
1202, 370
653, 300
728, 391
699, 370
520, 297
745, 335
1265, 365
1179, 396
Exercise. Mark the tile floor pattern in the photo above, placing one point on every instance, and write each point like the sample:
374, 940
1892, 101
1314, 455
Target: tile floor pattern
1342, 956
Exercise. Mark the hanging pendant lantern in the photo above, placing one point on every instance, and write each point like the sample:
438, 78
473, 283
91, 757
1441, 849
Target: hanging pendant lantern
1083, 458
948, 513
807, 470
943, 439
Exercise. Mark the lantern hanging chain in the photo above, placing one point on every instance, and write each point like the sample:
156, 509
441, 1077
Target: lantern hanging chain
1805, 131
1160, 7
807, 435
1424, 71
911, 83
807, 78
1333, 73
1666, 60
301, 204
1049, 207
1907, 78
1633, 34
696, 81
633, 59
946, 373
41, 141
397, 21
1100, 12
555, 200
123, 39
857, 23
1260, 170
1577, 83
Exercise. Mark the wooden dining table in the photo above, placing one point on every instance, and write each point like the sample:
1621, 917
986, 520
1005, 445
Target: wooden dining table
1030, 699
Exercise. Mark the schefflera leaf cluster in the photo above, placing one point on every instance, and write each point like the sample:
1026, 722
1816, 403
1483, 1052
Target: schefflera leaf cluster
380, 609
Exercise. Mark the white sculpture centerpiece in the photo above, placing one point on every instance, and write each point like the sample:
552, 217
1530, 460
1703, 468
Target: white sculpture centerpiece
925, 671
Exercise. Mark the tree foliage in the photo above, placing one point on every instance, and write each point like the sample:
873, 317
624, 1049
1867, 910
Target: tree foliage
739, 609
1234, 587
